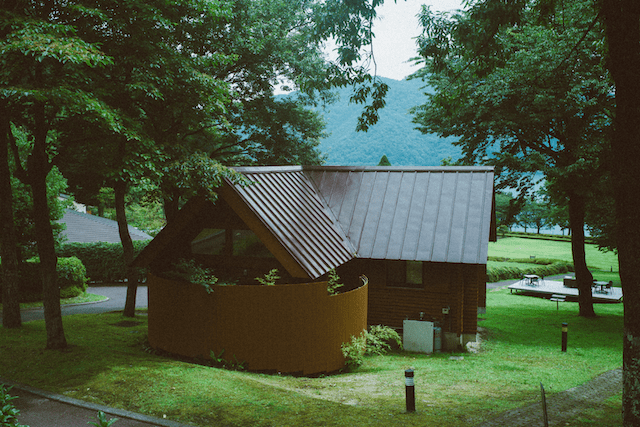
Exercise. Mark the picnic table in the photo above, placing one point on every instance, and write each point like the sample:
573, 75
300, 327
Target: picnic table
531, 279
604, 286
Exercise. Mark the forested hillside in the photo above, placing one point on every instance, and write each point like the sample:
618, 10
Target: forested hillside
394, 135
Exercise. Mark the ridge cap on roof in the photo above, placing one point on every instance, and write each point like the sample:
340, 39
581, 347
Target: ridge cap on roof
271, 169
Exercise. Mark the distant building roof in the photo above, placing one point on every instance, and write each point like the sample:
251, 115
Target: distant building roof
85, 228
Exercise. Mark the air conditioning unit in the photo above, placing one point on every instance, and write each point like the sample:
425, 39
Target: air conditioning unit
417, 336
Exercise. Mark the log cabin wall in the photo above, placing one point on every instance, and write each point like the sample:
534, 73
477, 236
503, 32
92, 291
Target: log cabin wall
454, 286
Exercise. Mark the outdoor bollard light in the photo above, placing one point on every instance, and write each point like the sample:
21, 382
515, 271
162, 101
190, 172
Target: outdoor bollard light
564, 337
410, 389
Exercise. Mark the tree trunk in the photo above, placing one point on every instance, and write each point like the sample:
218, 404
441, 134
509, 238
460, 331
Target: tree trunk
127, 248
171, 205
39, 167
8, 243
622, 22
584, 279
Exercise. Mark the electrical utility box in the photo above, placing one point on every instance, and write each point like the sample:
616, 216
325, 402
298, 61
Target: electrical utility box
417, 336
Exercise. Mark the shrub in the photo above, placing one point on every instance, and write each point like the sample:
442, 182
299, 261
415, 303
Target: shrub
381, 339
377, 341
8, 412
353, 351
72, 279
104, 261
541, 267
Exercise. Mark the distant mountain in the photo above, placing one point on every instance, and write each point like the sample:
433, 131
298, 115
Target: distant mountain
394, 135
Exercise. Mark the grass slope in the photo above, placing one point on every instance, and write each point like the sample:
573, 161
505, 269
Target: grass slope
517, 247
107, 364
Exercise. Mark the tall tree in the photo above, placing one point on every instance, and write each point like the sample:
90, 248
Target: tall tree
524, 88
8, 240
43, 65
622, 21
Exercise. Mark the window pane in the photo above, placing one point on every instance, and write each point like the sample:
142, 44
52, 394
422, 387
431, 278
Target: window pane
210, 241
414, 272
247, 243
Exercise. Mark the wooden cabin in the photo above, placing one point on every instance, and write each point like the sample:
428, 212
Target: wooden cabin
419, 234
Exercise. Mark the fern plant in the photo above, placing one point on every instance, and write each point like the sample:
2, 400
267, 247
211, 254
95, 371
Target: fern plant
270, 278
333, 284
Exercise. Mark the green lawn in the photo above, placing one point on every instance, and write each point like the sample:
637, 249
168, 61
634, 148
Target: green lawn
106, 364
516, 248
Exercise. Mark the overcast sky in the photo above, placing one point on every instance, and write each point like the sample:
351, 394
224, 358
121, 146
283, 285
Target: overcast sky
395, 29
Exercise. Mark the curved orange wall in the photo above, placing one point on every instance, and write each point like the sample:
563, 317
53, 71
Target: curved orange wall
286, 328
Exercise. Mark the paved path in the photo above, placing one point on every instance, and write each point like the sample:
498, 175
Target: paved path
116, 294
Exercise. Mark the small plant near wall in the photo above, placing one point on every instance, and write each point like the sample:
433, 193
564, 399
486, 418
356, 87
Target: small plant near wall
103, 421
333, 284
270, 278
353, 351
378, 340
189, 271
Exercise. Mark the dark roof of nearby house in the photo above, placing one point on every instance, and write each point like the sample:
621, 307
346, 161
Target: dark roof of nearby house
85, 228
319, 217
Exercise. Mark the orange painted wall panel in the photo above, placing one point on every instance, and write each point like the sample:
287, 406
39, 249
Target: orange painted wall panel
284, 328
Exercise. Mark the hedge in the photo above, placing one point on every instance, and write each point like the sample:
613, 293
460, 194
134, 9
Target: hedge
103, 261
540, 267
72, 279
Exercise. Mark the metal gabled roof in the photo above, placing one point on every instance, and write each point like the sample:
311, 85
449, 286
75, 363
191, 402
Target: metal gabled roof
423, 214
323, 216
287, 204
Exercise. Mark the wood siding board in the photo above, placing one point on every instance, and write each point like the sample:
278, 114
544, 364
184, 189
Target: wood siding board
285, 328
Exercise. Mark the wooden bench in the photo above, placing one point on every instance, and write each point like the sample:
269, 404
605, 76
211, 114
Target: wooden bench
558, 299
